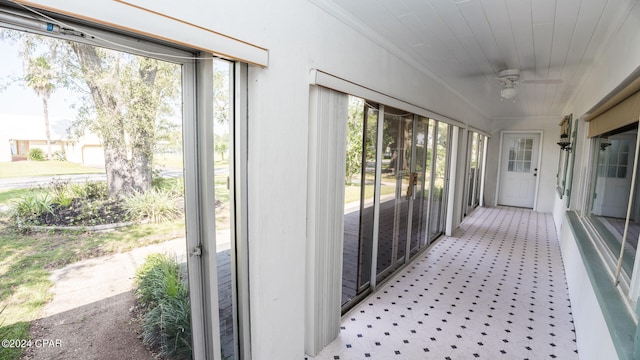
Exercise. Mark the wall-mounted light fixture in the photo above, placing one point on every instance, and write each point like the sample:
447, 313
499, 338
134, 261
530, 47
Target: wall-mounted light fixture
605, 142
565, 133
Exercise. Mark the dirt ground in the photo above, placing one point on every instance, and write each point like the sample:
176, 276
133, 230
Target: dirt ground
91, 316
106, 329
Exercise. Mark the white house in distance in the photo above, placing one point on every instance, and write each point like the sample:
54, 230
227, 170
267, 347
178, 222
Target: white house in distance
20, 133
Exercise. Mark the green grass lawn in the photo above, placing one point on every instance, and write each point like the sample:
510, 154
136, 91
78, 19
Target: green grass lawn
27, 259
39, 168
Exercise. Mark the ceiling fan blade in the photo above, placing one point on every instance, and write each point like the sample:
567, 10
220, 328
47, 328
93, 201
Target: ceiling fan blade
542, 81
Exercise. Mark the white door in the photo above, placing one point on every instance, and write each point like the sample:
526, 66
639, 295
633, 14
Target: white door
519, 169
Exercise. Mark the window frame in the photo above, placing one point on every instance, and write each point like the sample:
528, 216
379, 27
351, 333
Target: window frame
628, 282
197, 110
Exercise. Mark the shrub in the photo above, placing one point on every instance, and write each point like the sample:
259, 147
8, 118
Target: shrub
163, 293
61, 192
59, 155
36, 154
31, 205
65, 203
174, 186
151, 277
156, 205
95, 190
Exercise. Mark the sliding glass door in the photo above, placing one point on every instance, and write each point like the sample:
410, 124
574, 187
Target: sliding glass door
395, 199
475, 154
422, 184
397, 138
360, 180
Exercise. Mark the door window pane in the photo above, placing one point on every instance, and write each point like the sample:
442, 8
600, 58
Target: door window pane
520, 155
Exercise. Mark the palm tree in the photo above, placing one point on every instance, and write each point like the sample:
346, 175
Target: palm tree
41, 78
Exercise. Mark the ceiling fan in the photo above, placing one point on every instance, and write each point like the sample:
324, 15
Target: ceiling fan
509, 78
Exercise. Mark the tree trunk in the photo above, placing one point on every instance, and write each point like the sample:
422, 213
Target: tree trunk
45, 109
143, 134
111, 128
117, 168
128, 166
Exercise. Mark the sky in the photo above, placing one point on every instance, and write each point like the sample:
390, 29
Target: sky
18, 99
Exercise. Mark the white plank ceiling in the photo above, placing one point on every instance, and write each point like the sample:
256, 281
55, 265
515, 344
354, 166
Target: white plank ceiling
465, 43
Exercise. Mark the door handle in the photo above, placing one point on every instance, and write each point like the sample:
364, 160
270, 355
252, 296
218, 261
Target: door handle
413, 181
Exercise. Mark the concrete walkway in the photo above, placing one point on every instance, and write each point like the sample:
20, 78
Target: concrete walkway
91, 316
96, 279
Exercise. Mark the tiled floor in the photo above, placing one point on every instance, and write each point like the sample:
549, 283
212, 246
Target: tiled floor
494, 290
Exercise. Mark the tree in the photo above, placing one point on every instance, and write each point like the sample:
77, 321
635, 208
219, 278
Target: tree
126, 100
41, 77
221, 92
355, 128
221, 144
130, 99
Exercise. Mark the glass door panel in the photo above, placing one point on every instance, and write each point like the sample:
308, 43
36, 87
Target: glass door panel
394, 204
359, 198
420, 194
394, 186
223, 130
139, 150
368, 197
475, 149
439, 170
478, 171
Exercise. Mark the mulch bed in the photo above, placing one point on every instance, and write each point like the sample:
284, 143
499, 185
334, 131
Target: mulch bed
84, 213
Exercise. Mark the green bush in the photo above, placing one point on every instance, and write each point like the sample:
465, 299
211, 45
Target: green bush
36, 154
72, 204
174, 186
94, 190
31, 205
61, 192
155, 205
162, 292
59, 155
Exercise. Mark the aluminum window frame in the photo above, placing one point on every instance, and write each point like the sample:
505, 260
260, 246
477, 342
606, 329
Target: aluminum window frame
197, 110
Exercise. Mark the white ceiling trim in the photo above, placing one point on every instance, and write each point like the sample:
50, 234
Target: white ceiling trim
321, 78
339, 13
154, 24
